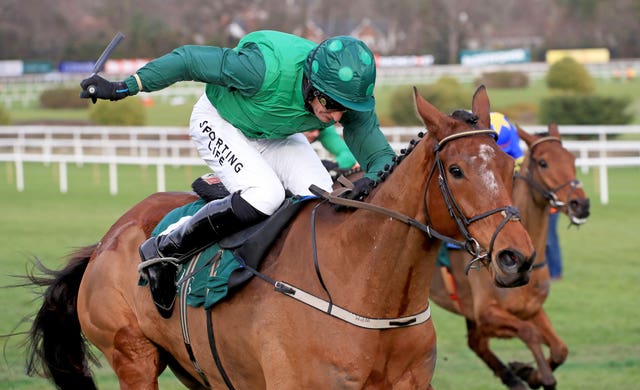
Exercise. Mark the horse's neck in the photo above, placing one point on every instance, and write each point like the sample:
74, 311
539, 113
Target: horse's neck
394, 261
535, 215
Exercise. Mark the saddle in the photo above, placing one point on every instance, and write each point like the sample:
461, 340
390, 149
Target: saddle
222, 268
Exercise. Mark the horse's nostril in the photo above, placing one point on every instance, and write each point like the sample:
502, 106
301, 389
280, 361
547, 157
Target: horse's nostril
579, 207
515, 268
512, 261
508, 259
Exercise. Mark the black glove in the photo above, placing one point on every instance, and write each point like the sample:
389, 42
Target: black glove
330, 165
209, 187
103, 89
361, 189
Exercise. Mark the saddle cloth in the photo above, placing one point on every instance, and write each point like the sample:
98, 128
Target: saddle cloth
215, 272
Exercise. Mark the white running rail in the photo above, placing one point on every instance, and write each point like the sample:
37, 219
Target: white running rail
170, 146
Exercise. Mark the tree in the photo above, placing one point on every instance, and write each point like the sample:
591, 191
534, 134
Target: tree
79, 29
567, 75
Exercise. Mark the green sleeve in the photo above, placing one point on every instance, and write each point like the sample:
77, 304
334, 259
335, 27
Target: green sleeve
367, 143
241, 69
333, 142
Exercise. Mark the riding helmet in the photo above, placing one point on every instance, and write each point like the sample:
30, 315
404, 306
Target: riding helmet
344, 69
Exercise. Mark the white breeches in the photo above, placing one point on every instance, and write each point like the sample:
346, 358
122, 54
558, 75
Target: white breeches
260, 169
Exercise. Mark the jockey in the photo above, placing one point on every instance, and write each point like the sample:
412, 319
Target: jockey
508, 138
259, 98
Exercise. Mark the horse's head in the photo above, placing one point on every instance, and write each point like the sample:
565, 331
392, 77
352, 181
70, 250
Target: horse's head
468, 196
550, 170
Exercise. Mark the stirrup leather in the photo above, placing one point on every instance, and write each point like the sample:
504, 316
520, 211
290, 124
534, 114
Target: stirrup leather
150, 262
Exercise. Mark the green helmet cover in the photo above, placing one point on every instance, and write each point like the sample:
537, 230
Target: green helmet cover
344, 69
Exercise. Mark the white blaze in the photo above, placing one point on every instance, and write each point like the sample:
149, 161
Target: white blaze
487, 154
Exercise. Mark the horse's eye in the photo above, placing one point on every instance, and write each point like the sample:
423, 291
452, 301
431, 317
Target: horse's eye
456, 172
542, 164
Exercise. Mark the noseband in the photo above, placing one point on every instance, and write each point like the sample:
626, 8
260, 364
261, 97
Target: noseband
470, 244
550, 194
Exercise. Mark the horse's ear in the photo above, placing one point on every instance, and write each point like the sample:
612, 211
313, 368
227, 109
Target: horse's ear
429, 114
553, 130
480, 106
526, 137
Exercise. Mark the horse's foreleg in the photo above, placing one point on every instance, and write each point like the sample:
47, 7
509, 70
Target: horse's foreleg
135, 360
558, 349
506, 325
479, 344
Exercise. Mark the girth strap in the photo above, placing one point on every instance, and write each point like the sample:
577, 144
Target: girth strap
184, 323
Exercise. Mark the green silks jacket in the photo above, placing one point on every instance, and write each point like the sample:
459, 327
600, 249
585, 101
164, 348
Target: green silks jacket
257, 87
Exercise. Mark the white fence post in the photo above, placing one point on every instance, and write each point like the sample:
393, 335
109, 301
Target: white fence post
161, 178
113, 178
604, 176
48, 148
19, 175
77, 147
64, 184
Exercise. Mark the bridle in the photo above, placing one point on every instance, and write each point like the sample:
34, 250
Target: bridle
550, 194
471, 245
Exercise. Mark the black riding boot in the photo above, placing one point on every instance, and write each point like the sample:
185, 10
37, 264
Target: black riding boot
211, 223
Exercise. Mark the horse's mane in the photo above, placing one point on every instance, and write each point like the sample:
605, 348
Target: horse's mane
404, 152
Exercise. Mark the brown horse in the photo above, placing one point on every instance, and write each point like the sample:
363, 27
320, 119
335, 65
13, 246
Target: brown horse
376, 261
547, 178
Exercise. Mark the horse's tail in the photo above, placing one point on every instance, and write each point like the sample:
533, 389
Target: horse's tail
57, 349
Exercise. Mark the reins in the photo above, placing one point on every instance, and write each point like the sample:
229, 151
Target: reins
333, 198
470, 244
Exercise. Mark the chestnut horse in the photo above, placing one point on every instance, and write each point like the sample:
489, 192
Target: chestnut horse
547, 179
372, 328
